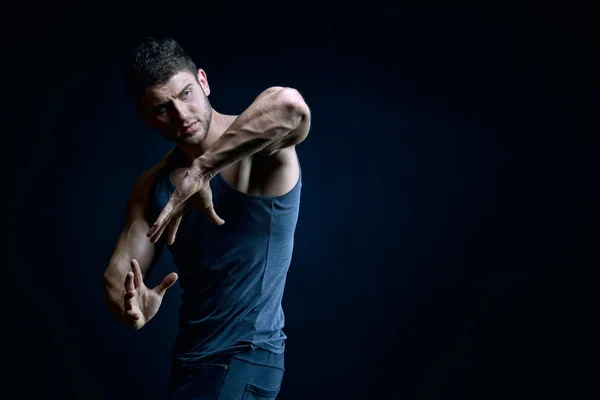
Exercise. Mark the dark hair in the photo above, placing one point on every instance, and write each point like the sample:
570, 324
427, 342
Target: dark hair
153, 62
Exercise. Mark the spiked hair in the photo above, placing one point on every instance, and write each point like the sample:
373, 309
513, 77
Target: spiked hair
153, 62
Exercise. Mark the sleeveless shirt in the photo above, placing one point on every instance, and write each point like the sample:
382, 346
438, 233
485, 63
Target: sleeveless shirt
232, 276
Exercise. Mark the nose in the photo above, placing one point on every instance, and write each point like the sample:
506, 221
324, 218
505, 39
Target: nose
179, 111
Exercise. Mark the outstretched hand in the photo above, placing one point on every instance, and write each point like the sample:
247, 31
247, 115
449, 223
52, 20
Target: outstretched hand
142, 303
192, 185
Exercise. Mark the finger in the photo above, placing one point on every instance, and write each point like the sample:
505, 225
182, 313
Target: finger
129, 282
138, 321
166, 283
135, 314
158, 234
162, 218
138, 279
128, 300
212, 216
173, 229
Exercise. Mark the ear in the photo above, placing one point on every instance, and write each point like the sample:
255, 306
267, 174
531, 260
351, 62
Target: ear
143, 117
203, 81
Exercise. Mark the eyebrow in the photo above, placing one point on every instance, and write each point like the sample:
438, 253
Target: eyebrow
165, 102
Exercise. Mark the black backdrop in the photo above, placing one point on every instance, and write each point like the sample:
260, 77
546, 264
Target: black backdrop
443, 234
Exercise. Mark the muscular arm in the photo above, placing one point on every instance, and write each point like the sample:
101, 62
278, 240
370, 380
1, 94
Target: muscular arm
278, 118
132, 243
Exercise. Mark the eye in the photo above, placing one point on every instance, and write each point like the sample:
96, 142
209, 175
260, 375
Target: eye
187, 93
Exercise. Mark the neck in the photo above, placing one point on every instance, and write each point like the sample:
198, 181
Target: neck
218, 125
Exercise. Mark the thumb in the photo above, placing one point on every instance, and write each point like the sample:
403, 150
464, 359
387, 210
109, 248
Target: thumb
166, 283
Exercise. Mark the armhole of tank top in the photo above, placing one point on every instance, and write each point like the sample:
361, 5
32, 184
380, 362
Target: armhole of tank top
282, 197
155, 174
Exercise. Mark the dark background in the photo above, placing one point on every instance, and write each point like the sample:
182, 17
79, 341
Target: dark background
444, 231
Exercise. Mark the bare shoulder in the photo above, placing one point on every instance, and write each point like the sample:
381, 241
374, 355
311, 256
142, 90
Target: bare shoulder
284, 156
146, 178
275, 174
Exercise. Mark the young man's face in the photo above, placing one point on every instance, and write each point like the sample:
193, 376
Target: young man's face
180, 108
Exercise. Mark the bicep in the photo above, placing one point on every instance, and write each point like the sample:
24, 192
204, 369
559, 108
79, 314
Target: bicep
138, 246
133, 243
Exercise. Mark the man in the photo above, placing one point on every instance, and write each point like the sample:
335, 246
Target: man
225, 202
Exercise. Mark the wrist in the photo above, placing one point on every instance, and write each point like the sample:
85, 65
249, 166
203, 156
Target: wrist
200, 170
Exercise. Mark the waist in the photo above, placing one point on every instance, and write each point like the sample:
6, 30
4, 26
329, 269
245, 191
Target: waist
187, 347
251, 355
208, 331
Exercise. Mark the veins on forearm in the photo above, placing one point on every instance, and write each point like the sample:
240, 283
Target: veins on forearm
262, 124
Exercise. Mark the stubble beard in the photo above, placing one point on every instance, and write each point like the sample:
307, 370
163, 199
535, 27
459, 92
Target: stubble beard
199, 136
202, 134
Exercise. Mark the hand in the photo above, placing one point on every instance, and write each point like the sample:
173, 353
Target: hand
192, 184
142, 303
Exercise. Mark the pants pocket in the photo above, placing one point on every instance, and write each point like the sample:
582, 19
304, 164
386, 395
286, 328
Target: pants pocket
197, 379
255, 392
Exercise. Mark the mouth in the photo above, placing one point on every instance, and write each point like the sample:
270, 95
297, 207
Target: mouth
187, 129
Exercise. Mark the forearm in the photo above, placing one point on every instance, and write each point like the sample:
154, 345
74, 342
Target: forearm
274, 115
132, 244
114, 290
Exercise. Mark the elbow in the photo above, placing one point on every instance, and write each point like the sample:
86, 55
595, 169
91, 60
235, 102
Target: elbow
298, 113
295, 110
292, 101
287, 106
285, 98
